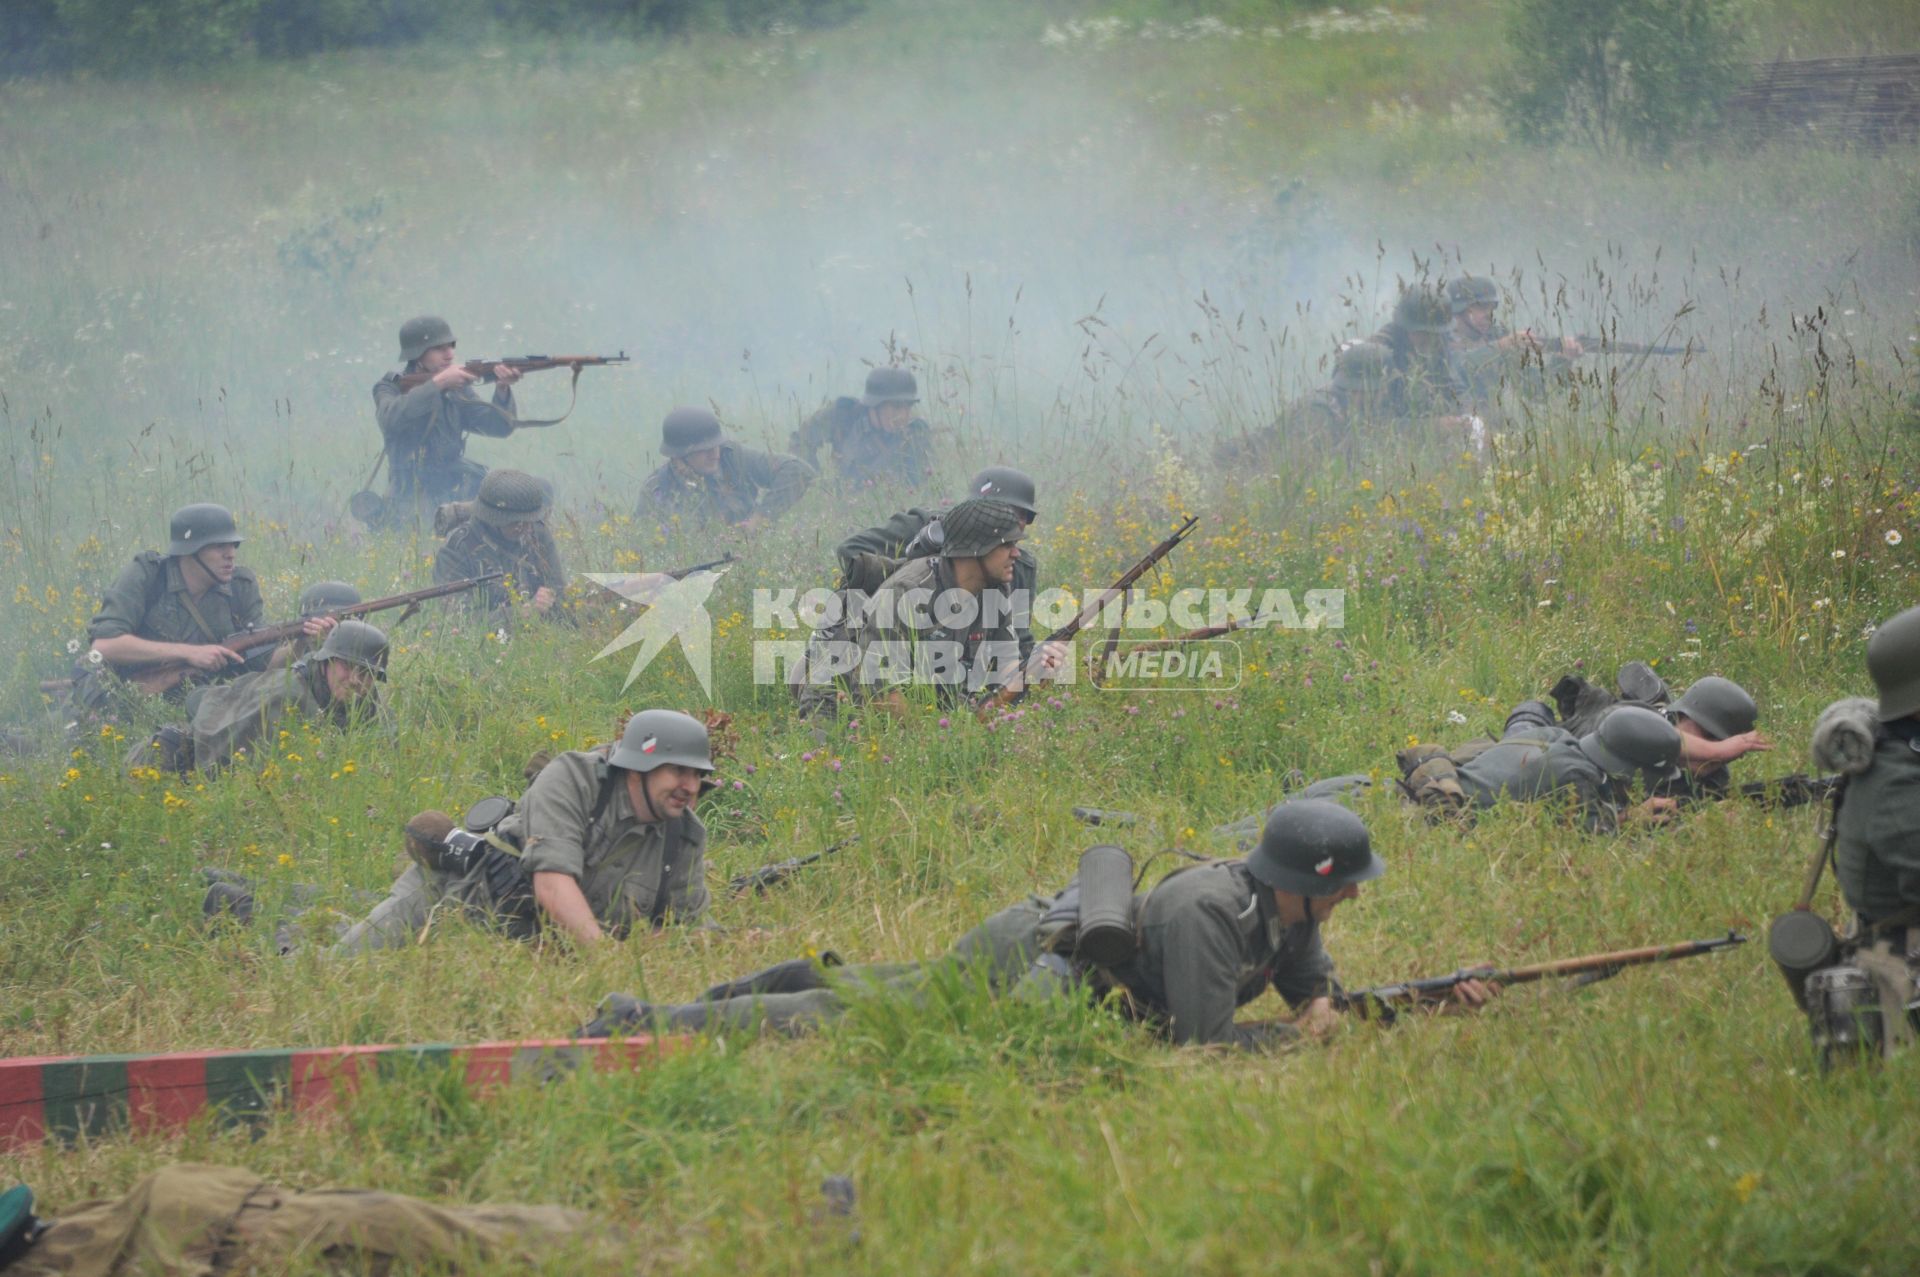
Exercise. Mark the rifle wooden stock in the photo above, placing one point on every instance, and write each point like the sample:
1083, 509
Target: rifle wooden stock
681, 574
1382, 1000
1010, 691
162, 676
483, 368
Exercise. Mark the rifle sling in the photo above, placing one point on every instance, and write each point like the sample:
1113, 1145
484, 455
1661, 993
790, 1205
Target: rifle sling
573, 397
186, 600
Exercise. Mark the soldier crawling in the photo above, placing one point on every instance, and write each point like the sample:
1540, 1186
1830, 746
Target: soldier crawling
504, 529
710, 477
605, 840
875, 439
1208, 939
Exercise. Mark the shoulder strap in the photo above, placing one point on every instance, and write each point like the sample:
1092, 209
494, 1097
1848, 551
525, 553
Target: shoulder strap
186, 600
676, 834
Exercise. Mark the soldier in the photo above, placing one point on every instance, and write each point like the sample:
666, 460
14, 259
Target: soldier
201, 1219
708, 476
425, 429
948, 619
1325, 416
1715, 717
604, 840
337, 685
1210, 939
1488, 353
327, 596
868, 558
1533, 761
1423, 381
505, 530
875, 438
174, 609
1875, 747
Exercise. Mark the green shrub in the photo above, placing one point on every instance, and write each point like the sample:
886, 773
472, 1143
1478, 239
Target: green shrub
1638, 74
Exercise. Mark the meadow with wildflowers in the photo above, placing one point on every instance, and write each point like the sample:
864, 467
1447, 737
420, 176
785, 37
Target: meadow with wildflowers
1748, 510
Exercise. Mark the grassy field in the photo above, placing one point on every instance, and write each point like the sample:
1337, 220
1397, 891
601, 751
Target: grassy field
1118, 249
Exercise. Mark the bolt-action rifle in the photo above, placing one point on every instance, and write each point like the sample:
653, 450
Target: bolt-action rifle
1010, 691
483, 368
157, 677
769, 876
1594, 343
1385, 1001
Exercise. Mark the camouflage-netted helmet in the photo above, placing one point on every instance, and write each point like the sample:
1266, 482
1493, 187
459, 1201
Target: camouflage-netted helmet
1313, 847
327, 596
1421, 309
195, 527
421, 334
690, 429
1893, 661
656, 736
1004, 483
356, 643
890, 385
1471, 290
1361, 366
511, 496
1720, 706
1633, 738
979, 526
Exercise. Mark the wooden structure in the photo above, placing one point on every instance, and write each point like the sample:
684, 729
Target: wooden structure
1865, 101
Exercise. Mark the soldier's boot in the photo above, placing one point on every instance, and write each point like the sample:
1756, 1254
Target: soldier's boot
798, 975
1639, 683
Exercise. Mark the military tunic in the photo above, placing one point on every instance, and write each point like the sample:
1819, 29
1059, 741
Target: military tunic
1531, 763
150, 600
1418, 387
425, 430
960, 659
1210, 943
868, 557
474, 549
750, 482
863, 454
620, 861
1877, 853
234, 717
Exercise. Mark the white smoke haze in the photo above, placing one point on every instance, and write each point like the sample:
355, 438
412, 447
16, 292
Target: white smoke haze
1074, 232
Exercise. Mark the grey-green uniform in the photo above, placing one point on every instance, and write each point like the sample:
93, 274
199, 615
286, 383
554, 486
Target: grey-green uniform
575, 819
864, 455
150, 600
1877, 853
478, 545
1326, 416
424, 430
1420, 385
868, 557
962, 654
1208, 941
746, 483
193, 1220
1485, 367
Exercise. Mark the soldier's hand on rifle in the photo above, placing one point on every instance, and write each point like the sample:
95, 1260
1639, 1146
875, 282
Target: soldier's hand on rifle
316, 627
1469, 995
1654, 811
506, 374
454, 376
1317, 1019
542, 599
893, 705
1051, 657
209, 656
1571, 347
